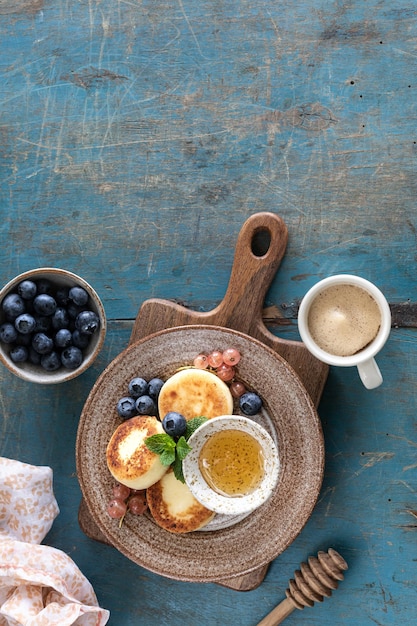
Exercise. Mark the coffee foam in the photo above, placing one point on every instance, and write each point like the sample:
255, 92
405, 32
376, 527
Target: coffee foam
343, 319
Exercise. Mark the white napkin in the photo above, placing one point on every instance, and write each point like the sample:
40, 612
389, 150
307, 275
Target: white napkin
39, 585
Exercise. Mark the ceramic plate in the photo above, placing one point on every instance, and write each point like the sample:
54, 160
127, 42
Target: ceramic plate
288, 415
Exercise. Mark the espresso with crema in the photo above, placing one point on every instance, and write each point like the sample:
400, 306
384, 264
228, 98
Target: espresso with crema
344, 319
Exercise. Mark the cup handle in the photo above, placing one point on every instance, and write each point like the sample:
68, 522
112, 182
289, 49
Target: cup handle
370, 374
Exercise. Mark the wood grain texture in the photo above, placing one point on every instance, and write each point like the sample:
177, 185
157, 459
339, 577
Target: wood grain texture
135, 140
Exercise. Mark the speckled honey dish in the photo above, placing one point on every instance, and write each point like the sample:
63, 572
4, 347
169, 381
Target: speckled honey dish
238, 544
266, 463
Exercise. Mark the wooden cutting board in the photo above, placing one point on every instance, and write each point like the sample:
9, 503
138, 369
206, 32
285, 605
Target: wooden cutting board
259, 250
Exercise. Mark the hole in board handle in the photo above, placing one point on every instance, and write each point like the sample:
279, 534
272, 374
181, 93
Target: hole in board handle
261, 242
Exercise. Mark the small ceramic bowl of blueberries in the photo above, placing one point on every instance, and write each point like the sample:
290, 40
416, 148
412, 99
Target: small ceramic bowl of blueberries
52, 325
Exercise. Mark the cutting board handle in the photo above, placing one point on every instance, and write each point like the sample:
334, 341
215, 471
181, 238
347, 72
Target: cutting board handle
260, 247
259, 250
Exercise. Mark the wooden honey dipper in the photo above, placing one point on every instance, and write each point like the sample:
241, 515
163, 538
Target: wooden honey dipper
314, 581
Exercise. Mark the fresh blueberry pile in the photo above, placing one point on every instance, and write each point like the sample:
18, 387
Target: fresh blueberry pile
47, 325
142, 398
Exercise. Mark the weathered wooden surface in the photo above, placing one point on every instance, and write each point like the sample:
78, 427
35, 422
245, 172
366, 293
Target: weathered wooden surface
136, 138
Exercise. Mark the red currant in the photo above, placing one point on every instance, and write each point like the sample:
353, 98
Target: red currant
225, 372
121, 492
237, 389
116, 508
137, 504
201, 361
215, 359
231, 356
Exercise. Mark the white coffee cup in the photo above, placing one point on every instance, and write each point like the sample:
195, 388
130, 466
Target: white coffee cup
345, 320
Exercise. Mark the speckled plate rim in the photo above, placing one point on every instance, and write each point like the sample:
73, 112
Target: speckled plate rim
290, 416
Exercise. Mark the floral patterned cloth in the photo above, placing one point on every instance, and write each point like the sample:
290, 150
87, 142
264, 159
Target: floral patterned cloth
39, 585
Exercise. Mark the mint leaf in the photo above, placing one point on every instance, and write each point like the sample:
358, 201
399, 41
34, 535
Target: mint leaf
193, 424
160, 442
167, 457
182, 448
173, 452
177, 468
164, 445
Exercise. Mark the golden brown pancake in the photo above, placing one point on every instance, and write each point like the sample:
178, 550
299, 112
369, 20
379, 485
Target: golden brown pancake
194, 393
173, 506
129, 459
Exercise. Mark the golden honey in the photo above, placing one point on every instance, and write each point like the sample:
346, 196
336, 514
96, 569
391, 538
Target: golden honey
232, 463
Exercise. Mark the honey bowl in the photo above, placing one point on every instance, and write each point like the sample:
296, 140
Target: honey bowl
233, 465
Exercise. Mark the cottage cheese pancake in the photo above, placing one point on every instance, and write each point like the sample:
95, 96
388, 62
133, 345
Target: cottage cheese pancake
193, 393
174, 508
129, 459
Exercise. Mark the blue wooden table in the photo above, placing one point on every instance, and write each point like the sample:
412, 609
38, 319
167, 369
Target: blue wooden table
135, 139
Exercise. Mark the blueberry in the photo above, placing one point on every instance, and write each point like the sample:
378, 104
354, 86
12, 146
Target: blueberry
73, 309
13, 305
80, 340
250, 403
42, 343
87, 322
145, 405
19, 354
126, 407
154, 387
63, 338
8, 333
27, 289
62, 296
25, 323
71, 357
60, 319
43, 323
50, 362
44, 285
44, 304
78, 295
138, 387
174, 424
34, 357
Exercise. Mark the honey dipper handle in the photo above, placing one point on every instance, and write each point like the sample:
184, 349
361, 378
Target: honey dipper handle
314, 581
277, 615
